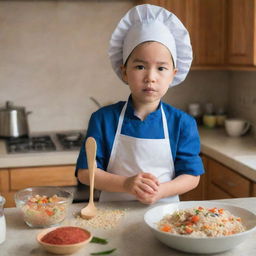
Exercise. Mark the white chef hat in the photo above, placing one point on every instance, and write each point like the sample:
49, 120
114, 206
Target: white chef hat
151, 23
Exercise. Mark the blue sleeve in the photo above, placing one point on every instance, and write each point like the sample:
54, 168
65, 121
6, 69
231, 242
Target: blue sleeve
187, 159
95, 131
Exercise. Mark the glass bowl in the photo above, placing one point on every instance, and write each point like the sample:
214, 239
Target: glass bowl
43, 207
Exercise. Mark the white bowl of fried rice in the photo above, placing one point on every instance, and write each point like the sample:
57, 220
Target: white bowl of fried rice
200, 226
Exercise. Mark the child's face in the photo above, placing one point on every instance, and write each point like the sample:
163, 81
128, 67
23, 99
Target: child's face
148, 72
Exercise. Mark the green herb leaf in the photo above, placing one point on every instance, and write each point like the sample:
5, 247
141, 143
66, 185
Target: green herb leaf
104, 252
99, 240
197, 211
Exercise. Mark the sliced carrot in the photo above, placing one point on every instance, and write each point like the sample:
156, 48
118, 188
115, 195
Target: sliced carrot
49, 213
188, 230
166, 228
195, 218
213, 210
220, 211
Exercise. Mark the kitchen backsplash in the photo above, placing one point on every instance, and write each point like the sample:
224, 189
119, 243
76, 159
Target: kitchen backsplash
53, 58
242, 96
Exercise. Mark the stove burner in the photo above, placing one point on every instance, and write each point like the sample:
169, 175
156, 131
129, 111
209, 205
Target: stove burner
70, 141
30, 144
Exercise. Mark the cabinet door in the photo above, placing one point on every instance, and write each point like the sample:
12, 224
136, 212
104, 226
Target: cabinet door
226, 180
4, 180
42, 176
241, 32
254, 189
208, 32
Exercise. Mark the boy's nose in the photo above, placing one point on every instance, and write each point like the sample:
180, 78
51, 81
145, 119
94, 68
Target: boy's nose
150, 77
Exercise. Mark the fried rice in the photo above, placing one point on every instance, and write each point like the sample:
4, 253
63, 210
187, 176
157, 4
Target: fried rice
201, 222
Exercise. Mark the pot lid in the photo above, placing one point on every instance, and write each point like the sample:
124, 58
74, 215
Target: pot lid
9, 106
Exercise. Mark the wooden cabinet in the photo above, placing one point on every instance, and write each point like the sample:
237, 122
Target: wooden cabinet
241, 23
222, 32
254, 190
223, 182
14, 179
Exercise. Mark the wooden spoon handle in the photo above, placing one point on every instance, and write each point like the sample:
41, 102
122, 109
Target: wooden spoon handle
91, 148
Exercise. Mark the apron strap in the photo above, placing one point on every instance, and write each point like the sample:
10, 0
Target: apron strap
166, 133
118, 131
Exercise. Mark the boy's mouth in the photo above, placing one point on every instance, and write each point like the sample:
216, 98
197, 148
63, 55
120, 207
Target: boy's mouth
149, 90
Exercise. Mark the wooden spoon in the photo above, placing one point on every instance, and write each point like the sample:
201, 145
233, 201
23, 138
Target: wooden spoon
90, 210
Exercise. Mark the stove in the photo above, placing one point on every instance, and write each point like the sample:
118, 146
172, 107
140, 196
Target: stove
62, 141
30, 144
71, 140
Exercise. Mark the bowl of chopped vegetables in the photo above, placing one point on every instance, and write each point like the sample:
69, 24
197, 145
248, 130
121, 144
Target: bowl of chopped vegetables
200, 226
43, 206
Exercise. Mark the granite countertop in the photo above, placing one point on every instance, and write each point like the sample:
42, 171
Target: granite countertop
131, 236
237, 153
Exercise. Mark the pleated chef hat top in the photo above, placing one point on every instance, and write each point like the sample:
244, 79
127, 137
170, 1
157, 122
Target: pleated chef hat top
145, 23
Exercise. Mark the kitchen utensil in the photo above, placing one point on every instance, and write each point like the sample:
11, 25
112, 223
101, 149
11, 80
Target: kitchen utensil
13, 121
40, 213
90, 210
61, 249
202, 245
2, 220
236, 127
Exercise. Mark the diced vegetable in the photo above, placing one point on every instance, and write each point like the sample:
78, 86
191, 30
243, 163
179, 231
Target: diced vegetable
195, 218
166, 228
99, 240
104, 252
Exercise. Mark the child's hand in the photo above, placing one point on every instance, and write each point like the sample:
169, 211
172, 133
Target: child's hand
141, 183
146, 198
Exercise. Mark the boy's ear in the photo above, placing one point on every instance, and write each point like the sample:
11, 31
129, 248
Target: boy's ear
123, 72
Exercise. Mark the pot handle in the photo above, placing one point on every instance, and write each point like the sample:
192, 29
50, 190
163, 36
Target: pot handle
8, 104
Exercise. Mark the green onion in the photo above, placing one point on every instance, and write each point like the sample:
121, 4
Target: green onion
104, 252
99, 240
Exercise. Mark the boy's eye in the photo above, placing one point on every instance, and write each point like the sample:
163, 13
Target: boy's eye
162, 68
139, 67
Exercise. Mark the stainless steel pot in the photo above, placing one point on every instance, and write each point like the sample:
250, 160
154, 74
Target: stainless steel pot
13, 121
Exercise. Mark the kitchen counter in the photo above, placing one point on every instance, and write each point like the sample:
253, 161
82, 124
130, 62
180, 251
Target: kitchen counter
131, 236
237, 153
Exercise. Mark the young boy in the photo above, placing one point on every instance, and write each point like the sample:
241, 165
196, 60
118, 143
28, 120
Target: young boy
146, 149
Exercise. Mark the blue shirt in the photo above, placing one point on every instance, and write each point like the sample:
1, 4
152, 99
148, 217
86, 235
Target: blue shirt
182, 128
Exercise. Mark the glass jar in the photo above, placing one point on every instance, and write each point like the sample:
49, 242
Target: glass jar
2, 220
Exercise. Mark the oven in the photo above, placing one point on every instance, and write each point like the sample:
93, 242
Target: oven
53, 142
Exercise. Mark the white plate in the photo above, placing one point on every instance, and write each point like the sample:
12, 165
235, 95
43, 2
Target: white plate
194, 244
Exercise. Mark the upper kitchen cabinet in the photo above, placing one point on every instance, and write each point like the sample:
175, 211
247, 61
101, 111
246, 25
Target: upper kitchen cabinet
241, 18
223, 32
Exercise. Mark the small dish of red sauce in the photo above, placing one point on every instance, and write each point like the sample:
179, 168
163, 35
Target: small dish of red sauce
64, 240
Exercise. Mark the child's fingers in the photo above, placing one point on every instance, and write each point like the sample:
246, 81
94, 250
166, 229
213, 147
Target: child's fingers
151, 177
149, 185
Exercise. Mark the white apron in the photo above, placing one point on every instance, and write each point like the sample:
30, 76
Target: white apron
130, 156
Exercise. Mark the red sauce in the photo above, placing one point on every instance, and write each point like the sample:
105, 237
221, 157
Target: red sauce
66, 235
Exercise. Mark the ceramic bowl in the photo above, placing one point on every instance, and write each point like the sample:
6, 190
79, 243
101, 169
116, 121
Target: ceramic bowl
205, 245
62, 249
42, 213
